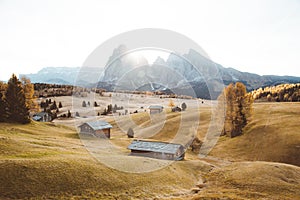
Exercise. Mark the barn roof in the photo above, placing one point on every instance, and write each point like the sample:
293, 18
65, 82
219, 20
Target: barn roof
153, 146
156, 107
98, 125
36, 118
39, 116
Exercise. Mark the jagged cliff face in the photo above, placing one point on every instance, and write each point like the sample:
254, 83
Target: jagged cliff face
120, 63
132, 74
180, 73
189, 74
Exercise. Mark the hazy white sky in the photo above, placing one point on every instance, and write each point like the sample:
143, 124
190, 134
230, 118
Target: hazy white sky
259, 36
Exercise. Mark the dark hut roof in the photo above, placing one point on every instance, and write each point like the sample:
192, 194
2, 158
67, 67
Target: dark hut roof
153, 146
98, 125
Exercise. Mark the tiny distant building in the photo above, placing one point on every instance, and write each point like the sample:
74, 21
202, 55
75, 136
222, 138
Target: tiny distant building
97, 128
159, 150
155, 109
42, 117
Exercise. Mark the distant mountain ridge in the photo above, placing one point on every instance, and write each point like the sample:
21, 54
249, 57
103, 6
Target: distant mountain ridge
189, 74
66, 75
54, 75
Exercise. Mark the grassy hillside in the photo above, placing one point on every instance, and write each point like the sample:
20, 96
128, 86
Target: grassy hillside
46, 160
253, 180
272, 135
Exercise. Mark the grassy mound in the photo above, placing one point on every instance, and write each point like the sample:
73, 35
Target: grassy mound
253, 180
272, 135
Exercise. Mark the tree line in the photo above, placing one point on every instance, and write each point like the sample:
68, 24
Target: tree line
51, 90
279, 93
16, 98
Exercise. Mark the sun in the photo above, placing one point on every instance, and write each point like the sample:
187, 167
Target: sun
150, 55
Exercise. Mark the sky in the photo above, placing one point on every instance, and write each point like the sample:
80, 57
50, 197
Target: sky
258, 36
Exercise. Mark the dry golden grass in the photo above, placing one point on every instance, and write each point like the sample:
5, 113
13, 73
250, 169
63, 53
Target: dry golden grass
272, 135
253, 180
44, 160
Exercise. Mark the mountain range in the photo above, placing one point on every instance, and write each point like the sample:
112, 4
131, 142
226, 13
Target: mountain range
66, 75
190, 74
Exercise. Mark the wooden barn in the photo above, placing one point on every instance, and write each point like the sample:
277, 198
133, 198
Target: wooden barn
160, 150
97, 128
155, 109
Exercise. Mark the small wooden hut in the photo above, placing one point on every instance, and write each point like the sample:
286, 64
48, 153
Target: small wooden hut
98, 128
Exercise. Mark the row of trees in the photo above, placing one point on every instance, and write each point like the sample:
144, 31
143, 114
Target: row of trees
279, 93
50, 90
51, 108
109, 110
49, 104
16, 98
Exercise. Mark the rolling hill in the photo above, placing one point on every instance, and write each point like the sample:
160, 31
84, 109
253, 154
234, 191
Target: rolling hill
47, 160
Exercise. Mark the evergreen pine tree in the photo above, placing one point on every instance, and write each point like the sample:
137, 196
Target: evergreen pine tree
183, 106
17, 111
95, 104
53, 106
130, 133
69, 114
109, 108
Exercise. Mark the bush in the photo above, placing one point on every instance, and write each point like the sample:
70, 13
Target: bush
196, 145
183, 106
130, 133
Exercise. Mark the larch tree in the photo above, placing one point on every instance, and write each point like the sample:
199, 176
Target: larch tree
29, 93
171, 103
238, 109
3, 87
17, 111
